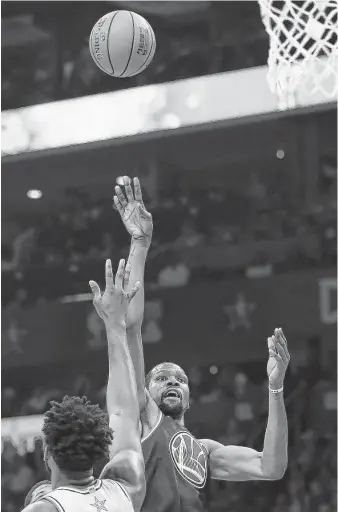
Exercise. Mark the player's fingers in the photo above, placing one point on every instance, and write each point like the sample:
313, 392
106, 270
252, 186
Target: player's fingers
128, 189
270, 344
127, 274
275, 355
279, 350
281, 339
95, 290
144, 213
280, 330
121, 196
138, 190
282, 353
109, 276
118, 205
134, 290
120, 275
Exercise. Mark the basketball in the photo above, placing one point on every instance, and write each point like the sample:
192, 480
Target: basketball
122, 44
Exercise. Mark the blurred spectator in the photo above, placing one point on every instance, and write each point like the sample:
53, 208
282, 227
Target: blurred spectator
281, 504
81, 386
8, 401
246, 403
7, 262
174, 274
38, 402
232, 434
23, 247
16, 480
13, 327
189, 236
153, 314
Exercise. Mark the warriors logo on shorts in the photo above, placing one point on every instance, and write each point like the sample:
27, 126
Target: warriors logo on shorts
190, 458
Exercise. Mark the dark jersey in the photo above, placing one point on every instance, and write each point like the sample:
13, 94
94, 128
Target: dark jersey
176, 469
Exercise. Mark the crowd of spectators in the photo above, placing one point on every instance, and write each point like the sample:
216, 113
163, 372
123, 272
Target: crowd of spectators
251, 231
236, 398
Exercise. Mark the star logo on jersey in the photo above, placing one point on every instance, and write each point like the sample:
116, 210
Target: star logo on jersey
190, 458
99, 505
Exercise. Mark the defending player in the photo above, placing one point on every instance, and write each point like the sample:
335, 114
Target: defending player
77, 433
178, 465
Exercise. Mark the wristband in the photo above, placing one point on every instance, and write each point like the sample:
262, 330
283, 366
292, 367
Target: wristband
276, 391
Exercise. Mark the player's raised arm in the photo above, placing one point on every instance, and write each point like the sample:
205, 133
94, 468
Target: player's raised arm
127, 465
139, 225
240, 463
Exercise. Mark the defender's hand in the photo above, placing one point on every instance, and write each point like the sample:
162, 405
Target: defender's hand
135, 217
112, 306
279, 358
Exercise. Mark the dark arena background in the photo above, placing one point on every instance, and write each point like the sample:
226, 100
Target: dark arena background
244, 202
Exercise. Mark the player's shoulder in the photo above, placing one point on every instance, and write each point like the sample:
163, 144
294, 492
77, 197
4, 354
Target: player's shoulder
126, 469
40, 506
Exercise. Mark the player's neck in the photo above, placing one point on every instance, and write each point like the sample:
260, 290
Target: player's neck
76, 478
181, 421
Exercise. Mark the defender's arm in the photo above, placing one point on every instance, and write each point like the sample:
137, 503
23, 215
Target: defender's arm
126, 465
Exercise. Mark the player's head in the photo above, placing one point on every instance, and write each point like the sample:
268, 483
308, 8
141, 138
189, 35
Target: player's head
76, 435
168, 385
38, 491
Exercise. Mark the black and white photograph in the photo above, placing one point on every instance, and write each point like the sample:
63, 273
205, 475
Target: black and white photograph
169, 256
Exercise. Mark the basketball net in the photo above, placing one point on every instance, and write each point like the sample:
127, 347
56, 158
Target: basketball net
303, 54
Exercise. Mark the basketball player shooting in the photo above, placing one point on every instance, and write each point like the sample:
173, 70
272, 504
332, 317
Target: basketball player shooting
77, 433
177, 465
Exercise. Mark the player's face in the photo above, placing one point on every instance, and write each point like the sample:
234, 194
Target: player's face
170, 390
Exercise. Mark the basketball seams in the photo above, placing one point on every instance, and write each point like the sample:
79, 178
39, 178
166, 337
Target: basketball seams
97, 62
132, 45
108, 32
138, 70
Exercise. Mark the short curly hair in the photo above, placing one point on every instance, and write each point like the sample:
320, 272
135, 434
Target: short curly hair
76, 433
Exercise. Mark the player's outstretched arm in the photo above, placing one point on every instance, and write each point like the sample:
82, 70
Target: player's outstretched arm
240, 463
127, 465
139, 225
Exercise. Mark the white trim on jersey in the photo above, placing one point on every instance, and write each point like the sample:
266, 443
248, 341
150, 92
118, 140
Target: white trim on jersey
86, 490
123, 489
55, 502
153, 429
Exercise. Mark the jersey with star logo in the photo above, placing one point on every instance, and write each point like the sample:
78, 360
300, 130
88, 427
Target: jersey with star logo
99, 505
101, 496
